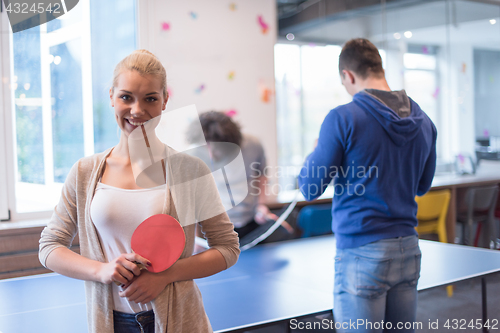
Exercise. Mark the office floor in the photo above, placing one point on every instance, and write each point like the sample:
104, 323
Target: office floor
434, 305
465, 304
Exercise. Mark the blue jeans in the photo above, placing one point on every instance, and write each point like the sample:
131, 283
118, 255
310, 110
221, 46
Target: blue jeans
376, 286
141, 322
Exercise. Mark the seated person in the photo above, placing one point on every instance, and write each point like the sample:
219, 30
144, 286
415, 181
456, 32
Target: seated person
251, 214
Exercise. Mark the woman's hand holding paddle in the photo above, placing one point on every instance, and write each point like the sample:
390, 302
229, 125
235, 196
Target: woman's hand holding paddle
122, 269
145, 287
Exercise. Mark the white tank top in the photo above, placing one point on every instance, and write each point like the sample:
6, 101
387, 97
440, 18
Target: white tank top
116, 213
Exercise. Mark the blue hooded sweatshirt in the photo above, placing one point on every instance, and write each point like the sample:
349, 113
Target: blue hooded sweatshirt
379, 161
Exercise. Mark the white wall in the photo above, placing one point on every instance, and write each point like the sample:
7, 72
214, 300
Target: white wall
205, 42
463, 136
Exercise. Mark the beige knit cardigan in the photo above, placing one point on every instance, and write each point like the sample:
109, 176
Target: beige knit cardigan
179, 307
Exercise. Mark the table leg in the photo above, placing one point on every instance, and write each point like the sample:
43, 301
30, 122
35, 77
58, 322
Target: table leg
485, 303
451, 218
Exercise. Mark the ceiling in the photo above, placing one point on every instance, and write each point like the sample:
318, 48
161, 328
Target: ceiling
335, 21
287, 8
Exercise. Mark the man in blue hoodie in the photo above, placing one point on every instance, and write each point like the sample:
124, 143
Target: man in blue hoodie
380, 151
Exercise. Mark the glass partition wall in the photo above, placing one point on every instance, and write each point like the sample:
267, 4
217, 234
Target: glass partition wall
445, 54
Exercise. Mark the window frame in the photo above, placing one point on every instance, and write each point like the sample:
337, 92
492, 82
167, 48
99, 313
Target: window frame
7, 161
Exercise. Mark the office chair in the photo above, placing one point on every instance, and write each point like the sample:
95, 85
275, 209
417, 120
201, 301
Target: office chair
431, 216
315, 220
480, 203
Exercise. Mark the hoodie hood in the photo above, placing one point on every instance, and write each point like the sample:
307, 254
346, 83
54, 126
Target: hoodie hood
400, 130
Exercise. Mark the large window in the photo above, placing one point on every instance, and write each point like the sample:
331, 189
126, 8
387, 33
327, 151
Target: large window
60, 77
308, 86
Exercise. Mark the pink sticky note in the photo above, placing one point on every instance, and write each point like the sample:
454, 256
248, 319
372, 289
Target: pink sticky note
200, 89
264, 26
165, 26
435, 94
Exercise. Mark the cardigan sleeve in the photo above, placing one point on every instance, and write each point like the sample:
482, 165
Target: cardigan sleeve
214, 221
62, 227
220, 235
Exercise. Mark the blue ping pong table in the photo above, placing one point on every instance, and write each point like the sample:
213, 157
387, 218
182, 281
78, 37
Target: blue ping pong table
271, 283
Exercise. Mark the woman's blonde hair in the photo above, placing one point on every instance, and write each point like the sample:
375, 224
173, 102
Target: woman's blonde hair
145, 63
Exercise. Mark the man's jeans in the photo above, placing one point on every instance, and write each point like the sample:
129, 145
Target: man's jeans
142, 322
376, 286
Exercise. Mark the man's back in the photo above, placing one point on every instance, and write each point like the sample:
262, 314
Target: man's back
381, 149
379, 162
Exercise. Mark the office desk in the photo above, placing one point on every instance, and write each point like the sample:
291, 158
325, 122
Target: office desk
271, 283
487, 174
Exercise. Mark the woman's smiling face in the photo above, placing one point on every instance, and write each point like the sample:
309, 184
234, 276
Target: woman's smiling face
136, 98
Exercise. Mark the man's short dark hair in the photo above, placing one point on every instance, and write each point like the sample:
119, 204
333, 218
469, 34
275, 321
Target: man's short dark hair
360, 56
217, 127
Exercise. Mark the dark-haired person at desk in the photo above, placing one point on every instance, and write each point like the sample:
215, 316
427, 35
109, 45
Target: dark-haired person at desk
380, 150
251, 217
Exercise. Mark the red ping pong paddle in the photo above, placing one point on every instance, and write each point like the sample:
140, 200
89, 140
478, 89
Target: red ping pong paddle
161, 240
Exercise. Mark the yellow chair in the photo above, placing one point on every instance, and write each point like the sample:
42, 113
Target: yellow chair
431, 216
